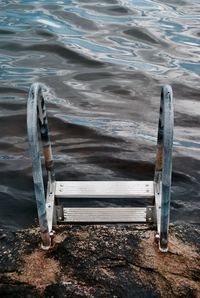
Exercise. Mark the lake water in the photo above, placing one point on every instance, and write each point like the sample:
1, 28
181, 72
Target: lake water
104, 62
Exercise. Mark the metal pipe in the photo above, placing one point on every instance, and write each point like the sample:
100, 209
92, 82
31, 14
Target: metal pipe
36, 113
163, 168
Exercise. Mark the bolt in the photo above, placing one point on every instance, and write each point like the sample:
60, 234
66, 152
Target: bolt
52, 233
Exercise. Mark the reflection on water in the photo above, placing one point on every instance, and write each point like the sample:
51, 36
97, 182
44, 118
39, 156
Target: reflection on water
105, 62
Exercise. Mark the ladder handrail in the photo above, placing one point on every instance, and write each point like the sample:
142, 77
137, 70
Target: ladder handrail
36, 114
163, 167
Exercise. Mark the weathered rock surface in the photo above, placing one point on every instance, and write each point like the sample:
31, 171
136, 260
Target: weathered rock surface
100, 261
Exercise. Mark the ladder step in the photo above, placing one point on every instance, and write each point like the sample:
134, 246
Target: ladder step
104, 189
106, 215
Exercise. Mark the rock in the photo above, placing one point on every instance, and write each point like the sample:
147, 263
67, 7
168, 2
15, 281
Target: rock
18, 291
101, 261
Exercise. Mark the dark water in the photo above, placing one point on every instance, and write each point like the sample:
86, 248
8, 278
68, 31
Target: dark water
105, 62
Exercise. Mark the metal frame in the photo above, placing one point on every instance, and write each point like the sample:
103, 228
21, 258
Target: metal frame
50, 214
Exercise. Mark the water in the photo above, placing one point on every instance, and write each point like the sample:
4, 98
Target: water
105, 62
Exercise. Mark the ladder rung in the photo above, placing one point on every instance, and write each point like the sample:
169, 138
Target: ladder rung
104, 189
111, 214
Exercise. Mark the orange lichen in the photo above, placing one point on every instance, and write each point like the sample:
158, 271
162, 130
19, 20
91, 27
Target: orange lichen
38, 270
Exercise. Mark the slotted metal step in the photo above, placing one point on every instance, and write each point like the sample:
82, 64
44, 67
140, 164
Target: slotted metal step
104, 189
111, 214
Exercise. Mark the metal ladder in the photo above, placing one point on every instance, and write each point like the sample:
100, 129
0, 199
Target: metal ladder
50, 212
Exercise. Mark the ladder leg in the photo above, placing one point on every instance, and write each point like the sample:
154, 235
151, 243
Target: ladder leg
36, 113
163, 168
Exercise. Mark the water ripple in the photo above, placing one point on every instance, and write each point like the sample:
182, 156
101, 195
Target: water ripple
105, 62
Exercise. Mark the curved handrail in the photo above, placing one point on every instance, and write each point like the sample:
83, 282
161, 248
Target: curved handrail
36, 114
163, 168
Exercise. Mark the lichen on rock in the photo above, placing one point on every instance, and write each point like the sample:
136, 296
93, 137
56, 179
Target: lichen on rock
101, 261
